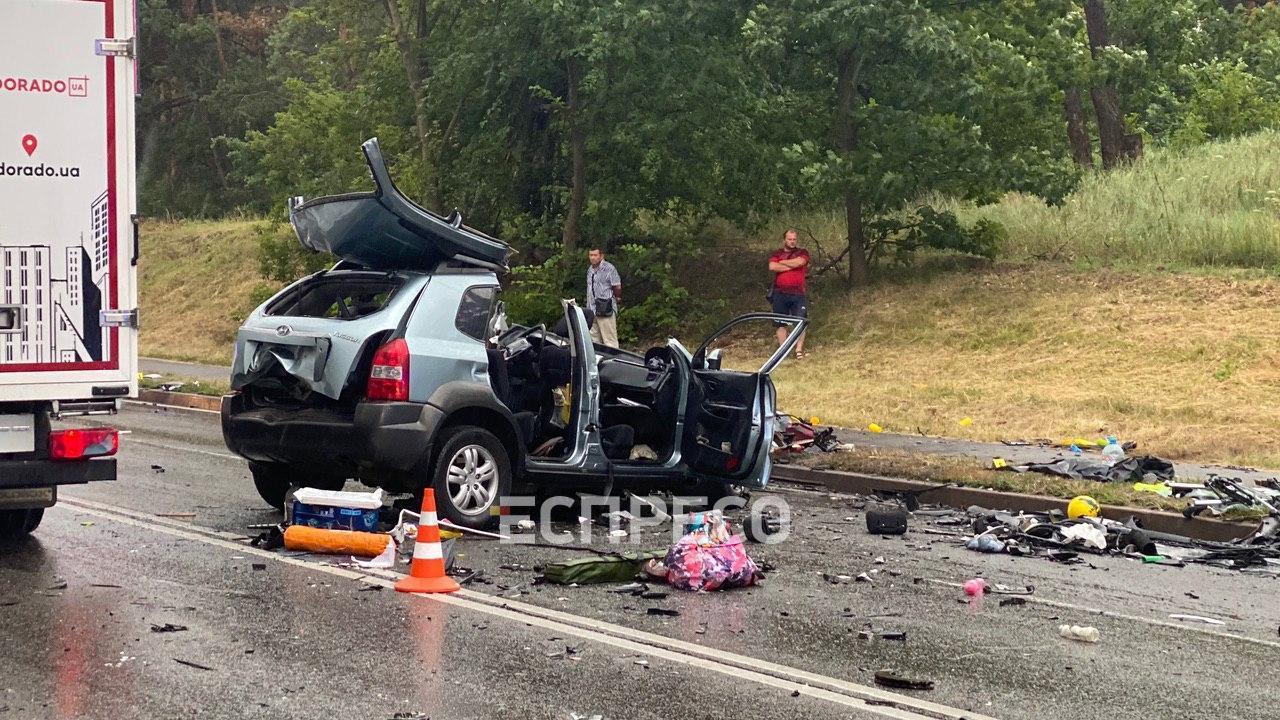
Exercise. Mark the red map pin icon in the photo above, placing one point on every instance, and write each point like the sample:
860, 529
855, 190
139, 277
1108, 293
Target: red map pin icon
29, 144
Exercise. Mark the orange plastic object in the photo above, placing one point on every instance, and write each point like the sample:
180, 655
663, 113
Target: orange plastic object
427, 571
335, 542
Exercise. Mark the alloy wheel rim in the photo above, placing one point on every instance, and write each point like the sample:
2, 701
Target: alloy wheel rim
472, 480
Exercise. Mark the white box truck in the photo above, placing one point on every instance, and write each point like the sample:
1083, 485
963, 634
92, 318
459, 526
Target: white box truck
68, 244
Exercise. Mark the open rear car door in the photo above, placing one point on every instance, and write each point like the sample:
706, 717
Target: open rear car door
730, 413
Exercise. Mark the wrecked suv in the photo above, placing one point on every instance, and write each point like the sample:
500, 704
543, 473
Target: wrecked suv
395, 367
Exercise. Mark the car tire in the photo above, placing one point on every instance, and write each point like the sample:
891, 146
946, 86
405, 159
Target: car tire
273, 481
472, 472
16, 524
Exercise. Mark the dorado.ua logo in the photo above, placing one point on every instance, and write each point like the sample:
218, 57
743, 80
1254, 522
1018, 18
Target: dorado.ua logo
29, 145
71, 87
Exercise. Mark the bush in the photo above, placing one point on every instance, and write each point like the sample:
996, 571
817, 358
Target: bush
281, 257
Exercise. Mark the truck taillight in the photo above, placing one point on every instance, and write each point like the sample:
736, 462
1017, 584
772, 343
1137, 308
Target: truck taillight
83, 443
389, 378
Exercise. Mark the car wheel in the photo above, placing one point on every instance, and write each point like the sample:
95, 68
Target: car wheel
14, 524
273, 481
472, 472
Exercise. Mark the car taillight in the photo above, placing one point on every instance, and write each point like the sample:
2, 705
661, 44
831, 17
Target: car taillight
83, 443
389, 378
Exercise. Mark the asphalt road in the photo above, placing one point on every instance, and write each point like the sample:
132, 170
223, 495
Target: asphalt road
279, 636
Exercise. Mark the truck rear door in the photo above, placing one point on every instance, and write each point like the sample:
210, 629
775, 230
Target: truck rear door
68, 251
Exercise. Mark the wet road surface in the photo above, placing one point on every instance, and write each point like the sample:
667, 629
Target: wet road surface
323, 642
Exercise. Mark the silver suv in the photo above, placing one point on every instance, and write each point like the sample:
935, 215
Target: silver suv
396, 367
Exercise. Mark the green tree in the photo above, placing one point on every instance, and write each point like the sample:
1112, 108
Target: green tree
885, 100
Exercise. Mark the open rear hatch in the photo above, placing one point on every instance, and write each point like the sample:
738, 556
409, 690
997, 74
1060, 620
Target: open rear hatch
316, 336
384, 230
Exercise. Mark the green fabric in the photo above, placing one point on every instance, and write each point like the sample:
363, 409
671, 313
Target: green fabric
616, 567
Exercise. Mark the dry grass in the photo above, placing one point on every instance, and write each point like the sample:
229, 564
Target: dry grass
197, 280
1187, 366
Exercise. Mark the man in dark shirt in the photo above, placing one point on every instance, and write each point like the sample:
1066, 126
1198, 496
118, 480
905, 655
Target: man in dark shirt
790, 265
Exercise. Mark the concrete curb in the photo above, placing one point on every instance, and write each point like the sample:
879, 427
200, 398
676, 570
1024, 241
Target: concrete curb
186, 400
963, 497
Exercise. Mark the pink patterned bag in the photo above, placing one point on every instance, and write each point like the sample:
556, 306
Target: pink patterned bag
708, 557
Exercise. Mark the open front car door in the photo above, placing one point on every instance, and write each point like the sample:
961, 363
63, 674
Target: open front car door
730, 413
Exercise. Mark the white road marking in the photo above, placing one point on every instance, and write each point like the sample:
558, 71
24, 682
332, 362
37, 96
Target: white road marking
865, 698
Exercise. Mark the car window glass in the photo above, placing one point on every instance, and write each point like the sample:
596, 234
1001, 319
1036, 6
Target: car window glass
474, 311
337, 298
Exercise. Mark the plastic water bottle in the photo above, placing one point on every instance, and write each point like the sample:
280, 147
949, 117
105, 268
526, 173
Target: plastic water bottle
1112, 453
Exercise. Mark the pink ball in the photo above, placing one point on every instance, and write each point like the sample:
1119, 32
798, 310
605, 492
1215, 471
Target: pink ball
976, 586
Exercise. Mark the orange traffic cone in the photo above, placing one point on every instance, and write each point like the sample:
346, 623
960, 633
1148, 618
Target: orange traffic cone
426, 572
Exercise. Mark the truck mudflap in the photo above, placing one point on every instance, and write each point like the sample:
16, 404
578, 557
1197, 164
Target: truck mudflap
51, 473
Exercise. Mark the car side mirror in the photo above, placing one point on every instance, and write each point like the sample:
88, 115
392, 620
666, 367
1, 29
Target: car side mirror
713, 359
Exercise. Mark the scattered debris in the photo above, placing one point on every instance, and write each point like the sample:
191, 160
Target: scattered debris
258, 566
168, 628
614, 567
336, 542
882, 634
1079, 632
1196, 618
1006, 602
195, 665
157, 469
176, 515
663, 611
795, 435
1140, 468
893, 679
883, 519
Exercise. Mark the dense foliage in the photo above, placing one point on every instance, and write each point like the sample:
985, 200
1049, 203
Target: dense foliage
559, 124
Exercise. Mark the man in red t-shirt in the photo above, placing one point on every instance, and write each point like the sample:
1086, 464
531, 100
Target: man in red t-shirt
789, 295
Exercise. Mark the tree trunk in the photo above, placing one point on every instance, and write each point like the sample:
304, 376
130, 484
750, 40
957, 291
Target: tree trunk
217, 37
1077, 132
1116, 145
414, 76
857, 240
569, 235
844, 132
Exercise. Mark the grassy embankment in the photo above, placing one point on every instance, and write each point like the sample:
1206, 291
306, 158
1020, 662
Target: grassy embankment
1147, 306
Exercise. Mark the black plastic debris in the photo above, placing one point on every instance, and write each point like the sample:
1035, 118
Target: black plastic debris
894, 679
270, 539
157, 469
1006, 602
663, 611
190, 664
883, 519
168, 628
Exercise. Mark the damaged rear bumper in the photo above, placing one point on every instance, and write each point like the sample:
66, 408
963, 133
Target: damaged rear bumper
383, 435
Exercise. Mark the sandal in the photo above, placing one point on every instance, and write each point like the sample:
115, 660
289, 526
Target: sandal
801, 354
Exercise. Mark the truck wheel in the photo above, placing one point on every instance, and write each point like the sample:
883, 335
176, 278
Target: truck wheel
472, 472
273, 481
14, 524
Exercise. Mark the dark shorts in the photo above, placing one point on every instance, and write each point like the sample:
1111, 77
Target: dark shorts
788, 304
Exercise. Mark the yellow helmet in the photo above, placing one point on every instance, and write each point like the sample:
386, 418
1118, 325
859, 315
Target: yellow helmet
1083, 506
